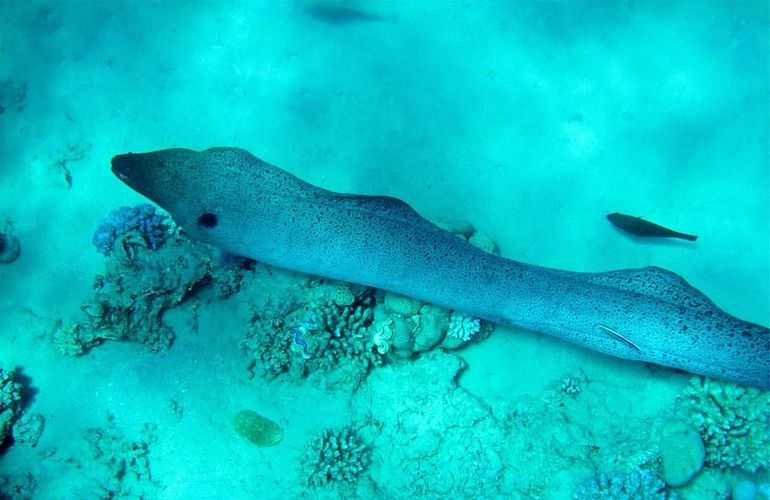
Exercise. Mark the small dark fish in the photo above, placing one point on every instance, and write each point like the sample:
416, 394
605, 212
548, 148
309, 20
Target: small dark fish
641, 227
339, 14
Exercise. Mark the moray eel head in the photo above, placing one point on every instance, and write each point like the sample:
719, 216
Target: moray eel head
188, 185
157, 175
211, 194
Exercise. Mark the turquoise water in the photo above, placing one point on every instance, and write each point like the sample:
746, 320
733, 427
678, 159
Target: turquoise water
160, 369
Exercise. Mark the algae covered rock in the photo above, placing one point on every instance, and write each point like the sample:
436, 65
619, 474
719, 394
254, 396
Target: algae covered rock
257, 429
682, 453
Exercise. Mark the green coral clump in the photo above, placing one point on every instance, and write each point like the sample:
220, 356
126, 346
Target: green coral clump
10, 402
733, 421
336, 457
257, 429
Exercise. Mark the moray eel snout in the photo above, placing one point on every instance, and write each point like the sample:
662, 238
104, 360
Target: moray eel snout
158, 178
125, 167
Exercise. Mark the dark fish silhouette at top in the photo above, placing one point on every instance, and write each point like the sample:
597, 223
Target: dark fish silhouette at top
338, 14
640, 227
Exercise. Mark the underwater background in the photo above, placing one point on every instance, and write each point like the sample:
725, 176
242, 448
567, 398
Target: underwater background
136, 363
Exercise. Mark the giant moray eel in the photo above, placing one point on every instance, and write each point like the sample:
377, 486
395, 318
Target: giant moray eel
230, 199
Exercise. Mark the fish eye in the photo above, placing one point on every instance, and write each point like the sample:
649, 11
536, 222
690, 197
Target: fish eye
207, 219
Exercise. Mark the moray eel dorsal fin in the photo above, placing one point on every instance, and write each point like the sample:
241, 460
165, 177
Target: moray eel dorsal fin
654, 282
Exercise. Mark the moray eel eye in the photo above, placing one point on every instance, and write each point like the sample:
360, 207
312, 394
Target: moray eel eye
207, 219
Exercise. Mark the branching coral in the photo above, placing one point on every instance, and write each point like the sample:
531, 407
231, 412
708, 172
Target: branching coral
337, 456
463, 327
733, 421
130, 228
320, 335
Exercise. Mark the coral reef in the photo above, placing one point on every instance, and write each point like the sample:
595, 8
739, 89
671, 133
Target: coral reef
130, 228
329, 332
639, 484
405, 327
123, 469
28, 429
337, 456
733, 421
17, 486
257, 429
132, 295
570, 386
155, 269
10, 402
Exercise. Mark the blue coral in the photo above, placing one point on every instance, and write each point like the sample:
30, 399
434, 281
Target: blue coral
639, 484
138, 225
